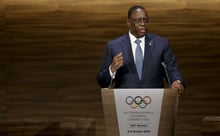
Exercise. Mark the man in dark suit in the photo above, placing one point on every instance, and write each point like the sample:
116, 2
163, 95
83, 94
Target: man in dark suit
136, 59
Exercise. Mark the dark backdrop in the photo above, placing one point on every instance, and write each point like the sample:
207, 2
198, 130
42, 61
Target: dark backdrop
50, 53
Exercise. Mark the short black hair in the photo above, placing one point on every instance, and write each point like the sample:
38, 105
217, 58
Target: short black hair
131, 9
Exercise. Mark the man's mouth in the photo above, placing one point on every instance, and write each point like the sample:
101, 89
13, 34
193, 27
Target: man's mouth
142, 30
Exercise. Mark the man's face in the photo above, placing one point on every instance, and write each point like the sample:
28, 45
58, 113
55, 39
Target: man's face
138, 23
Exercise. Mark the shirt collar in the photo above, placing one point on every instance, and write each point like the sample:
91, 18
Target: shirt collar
133, 38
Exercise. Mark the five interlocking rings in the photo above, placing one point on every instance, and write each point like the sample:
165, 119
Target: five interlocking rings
138, 101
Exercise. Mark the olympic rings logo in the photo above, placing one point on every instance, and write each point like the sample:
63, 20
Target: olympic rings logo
138, 101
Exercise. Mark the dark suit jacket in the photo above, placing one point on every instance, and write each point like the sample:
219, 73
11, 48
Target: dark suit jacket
157, 50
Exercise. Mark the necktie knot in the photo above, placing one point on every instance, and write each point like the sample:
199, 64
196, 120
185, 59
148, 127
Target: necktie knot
138, 41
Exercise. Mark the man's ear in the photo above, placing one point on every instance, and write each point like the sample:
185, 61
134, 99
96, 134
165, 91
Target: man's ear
128, 23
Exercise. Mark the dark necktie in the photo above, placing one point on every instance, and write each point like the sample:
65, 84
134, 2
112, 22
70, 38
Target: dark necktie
139, 58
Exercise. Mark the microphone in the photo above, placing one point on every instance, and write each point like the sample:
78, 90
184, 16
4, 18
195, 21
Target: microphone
111, 82
113, 76
166, 72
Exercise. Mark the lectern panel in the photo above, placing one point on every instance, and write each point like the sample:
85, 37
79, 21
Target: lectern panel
167, 114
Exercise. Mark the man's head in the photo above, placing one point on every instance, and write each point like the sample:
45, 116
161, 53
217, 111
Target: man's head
138, 21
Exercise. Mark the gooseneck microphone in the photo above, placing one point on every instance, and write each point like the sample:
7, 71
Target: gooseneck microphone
113, 76
111, 82
166, 72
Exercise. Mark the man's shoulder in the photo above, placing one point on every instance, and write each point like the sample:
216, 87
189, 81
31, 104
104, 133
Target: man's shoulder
119, 39
156, 37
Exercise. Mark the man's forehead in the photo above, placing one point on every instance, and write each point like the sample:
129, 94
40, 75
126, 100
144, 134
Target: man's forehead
139, 12
139, 9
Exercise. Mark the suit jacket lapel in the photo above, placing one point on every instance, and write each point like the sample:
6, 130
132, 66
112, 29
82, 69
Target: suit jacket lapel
126, 47
147, 55
128, 55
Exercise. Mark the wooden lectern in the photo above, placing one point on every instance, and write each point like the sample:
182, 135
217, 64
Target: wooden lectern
167, 117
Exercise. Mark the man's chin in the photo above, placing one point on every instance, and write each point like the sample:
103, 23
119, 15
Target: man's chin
141, 34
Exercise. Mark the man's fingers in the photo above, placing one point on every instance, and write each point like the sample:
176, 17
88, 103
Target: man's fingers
119, 55
118, 59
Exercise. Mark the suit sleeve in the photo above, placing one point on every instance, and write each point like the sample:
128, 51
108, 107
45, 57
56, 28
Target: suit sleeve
170, 61
103, 78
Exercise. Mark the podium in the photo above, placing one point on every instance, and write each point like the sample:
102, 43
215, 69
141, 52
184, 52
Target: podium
166, 113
